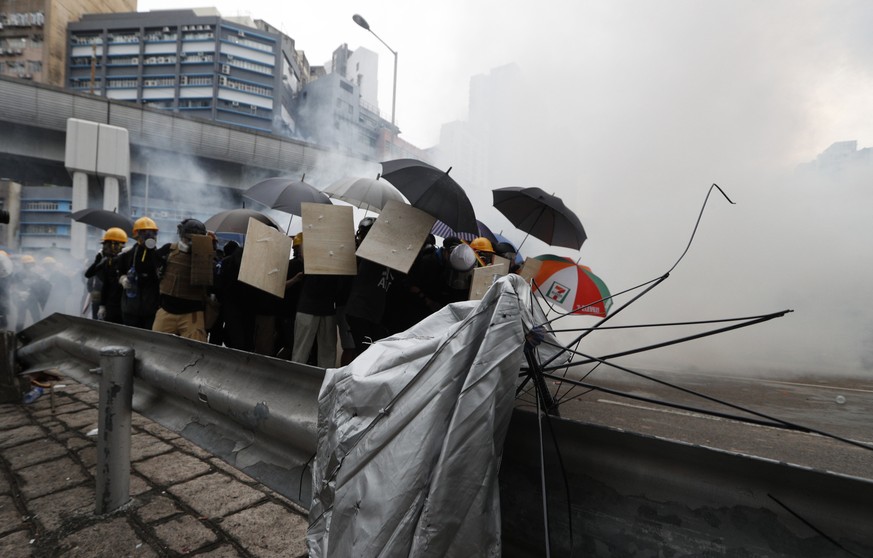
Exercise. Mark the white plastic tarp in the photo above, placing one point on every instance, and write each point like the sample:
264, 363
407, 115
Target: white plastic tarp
410, 435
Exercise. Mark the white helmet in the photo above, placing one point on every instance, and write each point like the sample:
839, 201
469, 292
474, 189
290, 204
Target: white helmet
462, 258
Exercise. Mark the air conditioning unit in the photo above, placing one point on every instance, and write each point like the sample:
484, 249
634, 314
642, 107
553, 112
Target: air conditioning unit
166, 29
134, 60
225, 69
222, 80
183, 80
234, 104
241, 33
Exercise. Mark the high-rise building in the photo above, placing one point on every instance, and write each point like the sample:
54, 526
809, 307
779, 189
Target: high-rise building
33, 35
191, 61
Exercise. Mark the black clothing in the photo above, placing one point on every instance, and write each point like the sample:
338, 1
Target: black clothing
108, 270
139, 305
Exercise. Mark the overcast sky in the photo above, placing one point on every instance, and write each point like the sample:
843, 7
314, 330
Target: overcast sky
634, 108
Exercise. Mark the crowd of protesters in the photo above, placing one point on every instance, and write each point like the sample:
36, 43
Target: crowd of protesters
323, 320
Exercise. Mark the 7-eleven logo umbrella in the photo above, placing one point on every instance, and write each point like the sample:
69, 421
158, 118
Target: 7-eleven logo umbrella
571, 286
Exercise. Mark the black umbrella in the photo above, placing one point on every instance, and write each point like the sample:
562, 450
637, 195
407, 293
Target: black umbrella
286, 194
540, 214
237, 221
103, 219
432, 191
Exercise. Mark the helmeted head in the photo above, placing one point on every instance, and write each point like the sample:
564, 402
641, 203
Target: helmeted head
145, 231
462, 257
482, 244
114, 240
363, 228
28, 260
186, 230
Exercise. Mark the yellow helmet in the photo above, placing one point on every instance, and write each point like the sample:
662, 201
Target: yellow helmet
115, 234
298, 240
481, 244
49, 260
144, 224
27, 259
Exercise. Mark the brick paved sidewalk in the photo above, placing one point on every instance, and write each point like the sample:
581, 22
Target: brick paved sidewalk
185, 502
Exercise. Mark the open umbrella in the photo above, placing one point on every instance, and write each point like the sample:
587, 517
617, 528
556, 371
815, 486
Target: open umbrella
441, 229
286, 194
237, 221
366, 193
571, 286
432, 191
540, 214
103, 219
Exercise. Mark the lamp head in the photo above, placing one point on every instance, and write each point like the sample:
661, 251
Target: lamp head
361, 21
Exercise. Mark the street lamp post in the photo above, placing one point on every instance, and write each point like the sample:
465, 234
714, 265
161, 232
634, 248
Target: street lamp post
363, 23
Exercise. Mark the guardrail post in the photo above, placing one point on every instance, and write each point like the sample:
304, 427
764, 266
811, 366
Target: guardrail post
10, 388
113, 438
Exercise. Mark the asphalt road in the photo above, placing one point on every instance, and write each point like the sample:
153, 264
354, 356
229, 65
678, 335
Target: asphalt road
831, 407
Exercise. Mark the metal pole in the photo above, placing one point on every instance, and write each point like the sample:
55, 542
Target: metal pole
394, 89
113, 438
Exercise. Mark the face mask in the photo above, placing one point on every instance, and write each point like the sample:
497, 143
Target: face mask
150, 243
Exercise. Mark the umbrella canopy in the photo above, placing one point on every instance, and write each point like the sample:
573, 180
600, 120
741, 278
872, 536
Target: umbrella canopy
366, 193
237, 221
441, 229
541, 215
285, 194
103, 219
573, 287
432, 191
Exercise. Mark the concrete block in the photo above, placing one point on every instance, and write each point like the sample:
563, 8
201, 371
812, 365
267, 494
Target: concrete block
49, 477
10, 518
223, 551
160, 507
16, 545
268, 530
185, 534
112, 538
143, 446
33, 452
171, 468
86, 419
14, 418
20, 435
54, 509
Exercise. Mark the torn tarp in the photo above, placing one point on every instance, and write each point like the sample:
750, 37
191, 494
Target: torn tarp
410, 435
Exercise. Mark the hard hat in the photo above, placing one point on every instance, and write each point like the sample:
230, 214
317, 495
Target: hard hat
49, 260
144, 224
462, 258
115, 234
3, 253
298, 240
190, 227
481, 244
27, 259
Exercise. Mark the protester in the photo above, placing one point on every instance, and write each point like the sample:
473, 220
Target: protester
288, 310
315, 321
182, 297
484, 250
107, 269
6, 270
32, 292
140, 279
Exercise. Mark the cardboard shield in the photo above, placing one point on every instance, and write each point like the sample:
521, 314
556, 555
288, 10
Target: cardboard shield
484, 277
328, 239
265, 258
530, 269
202, 260
397, 236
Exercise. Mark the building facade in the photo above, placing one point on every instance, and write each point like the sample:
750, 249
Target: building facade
191, 61
33, 35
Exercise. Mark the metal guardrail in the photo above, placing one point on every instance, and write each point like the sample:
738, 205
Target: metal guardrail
625, 493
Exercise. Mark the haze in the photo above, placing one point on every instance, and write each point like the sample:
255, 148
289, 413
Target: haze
630, 110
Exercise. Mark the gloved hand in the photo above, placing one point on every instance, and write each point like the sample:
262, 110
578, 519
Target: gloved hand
98, 257
125, 282
534, 337
101, 313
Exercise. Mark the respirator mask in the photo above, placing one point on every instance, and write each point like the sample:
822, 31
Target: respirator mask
149, 239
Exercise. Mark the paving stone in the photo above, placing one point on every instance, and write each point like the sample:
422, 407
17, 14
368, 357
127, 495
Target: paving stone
230, 470
10, 517
64, 407
76, 442
16, 545
14, 419
268, 530
73, 388
171, 468
53, 509
88, 456
145, 445
185, 534
159, 508
5, 487
216, 495
192, 448
88, 396
52, 476
44, 403
16, 436
158, 430
81, 420
36, 451
112, 538
223, 551
138, 485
